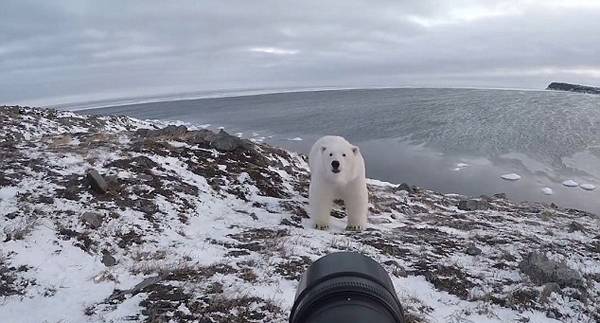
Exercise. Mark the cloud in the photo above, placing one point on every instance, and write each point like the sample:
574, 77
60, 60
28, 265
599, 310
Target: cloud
60, 50
274, 50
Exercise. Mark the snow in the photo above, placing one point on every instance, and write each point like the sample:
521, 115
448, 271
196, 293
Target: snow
295, 139
511, 177
8, 193
68, 273
216, 217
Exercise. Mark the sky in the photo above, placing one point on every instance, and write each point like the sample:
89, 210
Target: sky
62, 51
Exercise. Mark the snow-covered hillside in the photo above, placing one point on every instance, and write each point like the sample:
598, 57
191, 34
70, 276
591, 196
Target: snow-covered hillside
111, 219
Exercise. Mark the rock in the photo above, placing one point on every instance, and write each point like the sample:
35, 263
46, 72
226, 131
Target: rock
472, 250
486, 198
107, 259
143, 162
137, 288
511, 177
473, 204
570, 183
406, 187
338, 214
171, 131
226, 142
397, 269
145, 177
501, 196
542, 270
547, 291
547, 215
92, 219
96, 181
557, 86
576, 226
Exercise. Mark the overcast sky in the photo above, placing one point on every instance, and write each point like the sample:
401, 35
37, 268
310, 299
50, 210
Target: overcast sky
64, 51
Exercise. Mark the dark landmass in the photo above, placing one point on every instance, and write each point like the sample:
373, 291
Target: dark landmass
556, 86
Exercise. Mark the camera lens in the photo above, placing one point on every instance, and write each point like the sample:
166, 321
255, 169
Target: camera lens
346, 287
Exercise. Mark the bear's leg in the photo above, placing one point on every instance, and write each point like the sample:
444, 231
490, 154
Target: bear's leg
320, 208
357, 206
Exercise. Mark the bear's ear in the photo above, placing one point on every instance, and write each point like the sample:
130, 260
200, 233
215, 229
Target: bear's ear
323, 148
355, 150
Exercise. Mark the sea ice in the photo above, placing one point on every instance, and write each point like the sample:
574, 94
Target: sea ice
570, 183
511, 177
547, 191
460, 166
295, 139
588, 187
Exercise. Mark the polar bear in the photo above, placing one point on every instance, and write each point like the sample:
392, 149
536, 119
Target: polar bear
337, 171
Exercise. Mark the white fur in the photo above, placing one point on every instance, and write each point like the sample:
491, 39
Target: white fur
348, 185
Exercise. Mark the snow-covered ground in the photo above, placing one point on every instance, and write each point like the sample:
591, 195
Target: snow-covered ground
197, 226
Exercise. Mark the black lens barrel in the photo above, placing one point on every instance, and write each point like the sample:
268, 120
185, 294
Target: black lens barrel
346, 287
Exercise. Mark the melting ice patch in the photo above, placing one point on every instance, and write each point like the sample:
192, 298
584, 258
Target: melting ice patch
547, 191
460, 166
588, 187
511, 177
570, 183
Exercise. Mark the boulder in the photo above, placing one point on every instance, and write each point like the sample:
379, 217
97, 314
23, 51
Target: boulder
472, 250
576, 226
501, 196
143, 162
547, 291
406, 187
170, 131
542, 270
473, 204
92, 219
107, 259
96, 181
226, 142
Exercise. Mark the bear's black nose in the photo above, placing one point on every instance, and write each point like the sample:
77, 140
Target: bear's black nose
335, 164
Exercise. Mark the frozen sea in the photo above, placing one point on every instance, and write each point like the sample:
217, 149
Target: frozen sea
450, 140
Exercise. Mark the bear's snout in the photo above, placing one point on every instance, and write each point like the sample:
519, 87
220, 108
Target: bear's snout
336, 166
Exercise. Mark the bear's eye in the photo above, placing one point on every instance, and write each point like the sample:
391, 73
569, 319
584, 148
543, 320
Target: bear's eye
330, 154
344, 155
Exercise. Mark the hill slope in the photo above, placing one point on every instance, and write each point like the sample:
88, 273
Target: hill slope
186, 225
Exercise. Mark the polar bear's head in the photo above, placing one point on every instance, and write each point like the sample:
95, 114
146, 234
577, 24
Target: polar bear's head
340, 162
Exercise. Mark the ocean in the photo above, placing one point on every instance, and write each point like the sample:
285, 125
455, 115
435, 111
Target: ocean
450, 140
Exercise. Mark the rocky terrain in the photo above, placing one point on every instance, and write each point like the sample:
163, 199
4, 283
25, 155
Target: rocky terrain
573, 88
111, 219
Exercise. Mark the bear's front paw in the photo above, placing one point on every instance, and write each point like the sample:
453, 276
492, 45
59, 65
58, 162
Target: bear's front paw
321, 226
354, 227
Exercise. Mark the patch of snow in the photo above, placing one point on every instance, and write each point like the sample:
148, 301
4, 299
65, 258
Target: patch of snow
7, 193
178, 144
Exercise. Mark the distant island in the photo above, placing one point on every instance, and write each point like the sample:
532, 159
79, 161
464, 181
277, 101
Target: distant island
573, 88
